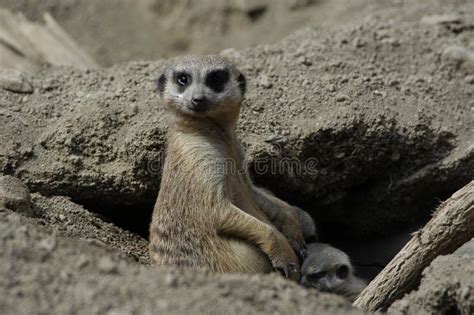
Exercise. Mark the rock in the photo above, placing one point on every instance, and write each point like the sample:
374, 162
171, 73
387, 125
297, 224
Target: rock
342, 98
469, 79
441, 18
14, 195
264, 81
330, 87
15, 81
447, 287
459, 55
466, 250
107, 265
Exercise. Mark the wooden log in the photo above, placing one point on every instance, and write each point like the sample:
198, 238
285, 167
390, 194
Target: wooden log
451, 226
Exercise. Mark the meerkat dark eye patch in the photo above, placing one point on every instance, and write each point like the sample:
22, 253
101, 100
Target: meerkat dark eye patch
242, 83
216, 80
161, 83
315, 276
342, 272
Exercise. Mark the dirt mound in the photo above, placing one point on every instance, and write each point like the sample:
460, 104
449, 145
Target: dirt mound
44, 272
367, 126
378, 109
162, 28
447, 287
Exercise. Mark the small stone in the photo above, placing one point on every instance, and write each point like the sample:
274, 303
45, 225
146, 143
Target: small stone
48, 244
264, 81
379, 93
441, 19
342, 98
344, 79
458, 55
469, 79
305, 61
82, 261
75, 159
171, 280
331, 87
14, 195
15, 81
358, 42
394, 82
107, 265
134, 108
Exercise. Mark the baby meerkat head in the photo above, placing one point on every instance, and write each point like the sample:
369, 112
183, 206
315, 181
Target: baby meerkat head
202, 86
329, 269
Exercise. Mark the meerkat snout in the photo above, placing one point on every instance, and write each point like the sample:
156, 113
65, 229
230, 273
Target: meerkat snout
202, 86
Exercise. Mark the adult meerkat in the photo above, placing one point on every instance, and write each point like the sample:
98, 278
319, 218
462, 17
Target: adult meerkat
208, 213
329, 269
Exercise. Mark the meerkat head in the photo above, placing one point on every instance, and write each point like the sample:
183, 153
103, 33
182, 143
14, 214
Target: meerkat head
202, 86
329, 269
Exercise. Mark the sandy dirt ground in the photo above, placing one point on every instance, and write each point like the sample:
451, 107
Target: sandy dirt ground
380, 94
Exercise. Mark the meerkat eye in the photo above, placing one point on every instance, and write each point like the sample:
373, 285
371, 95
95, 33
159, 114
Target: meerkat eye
317, 275
217, 80
342, 272
182, 78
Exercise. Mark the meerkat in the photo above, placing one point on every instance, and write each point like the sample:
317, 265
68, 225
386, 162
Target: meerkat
208, 213
329, 269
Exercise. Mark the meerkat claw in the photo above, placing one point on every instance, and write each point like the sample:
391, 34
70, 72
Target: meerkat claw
283, 271
292, 268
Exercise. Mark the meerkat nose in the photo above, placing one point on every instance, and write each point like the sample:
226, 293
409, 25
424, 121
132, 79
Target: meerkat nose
197, 100
199, 104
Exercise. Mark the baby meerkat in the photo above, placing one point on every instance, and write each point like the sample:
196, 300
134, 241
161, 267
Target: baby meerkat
329, 269
208, 214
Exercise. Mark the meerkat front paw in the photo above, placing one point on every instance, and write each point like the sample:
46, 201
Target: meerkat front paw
291, 229
283, 257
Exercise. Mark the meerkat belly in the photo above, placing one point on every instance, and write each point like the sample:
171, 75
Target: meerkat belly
238, 256
177, 243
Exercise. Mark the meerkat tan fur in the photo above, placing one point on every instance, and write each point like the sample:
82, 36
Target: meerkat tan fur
208, 214
307, 225
329, 269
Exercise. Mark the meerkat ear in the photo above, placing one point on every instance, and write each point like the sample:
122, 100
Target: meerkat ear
161, 83
242, 83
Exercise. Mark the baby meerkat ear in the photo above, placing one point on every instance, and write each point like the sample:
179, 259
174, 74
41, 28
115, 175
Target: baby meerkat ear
161, 83
242, 83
